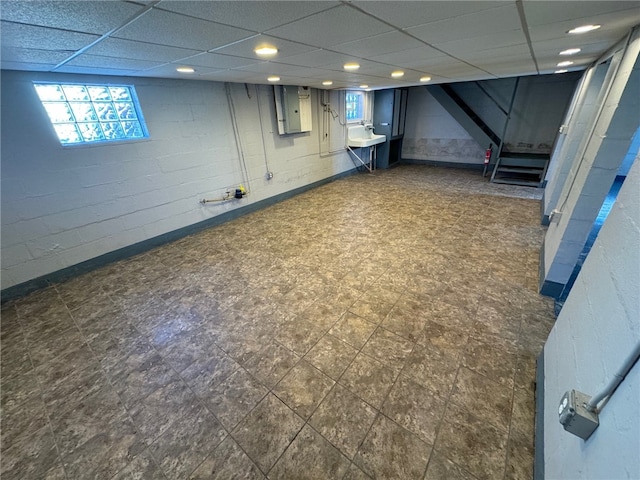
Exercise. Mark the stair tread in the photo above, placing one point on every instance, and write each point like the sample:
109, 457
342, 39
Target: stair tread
524, 183
532, 156
536, 171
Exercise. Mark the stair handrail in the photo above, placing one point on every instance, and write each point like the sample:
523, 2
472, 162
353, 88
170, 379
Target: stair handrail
491, 97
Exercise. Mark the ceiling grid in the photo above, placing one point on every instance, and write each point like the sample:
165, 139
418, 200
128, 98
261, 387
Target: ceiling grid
448, 41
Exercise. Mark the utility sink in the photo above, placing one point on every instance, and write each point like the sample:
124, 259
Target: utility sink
363, 136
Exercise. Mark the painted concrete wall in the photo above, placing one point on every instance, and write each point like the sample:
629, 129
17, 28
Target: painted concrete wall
577, 124
62, 206
594, 170
538, 108
632, 155
596, 329
434, 135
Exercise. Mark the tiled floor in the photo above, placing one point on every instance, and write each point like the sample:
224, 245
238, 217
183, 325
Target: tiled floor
380, 326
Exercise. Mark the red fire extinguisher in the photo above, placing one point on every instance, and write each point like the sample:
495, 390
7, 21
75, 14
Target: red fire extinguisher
487, 159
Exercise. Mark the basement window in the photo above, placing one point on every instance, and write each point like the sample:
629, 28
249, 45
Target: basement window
354, 106
82, 114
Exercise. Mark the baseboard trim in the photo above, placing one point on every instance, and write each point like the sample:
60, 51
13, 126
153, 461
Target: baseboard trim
545, 220
551, 289
435, 163
23, 289
538, 459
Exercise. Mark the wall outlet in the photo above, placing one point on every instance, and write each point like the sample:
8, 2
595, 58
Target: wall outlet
574, 416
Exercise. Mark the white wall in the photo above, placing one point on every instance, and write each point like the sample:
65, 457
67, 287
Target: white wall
432, 134
596, 329
538, 107
598, 160
65, 205
577, 122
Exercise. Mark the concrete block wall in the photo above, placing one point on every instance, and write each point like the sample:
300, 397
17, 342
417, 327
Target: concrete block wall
596, 329
432, 134
64, 205
538, 108
577, 123
602, 152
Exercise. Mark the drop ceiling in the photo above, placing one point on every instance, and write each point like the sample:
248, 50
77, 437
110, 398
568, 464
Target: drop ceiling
449, 41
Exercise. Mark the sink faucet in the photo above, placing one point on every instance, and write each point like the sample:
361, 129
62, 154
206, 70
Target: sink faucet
368, 126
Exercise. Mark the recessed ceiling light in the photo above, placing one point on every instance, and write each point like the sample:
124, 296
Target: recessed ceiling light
351, 66
327, 83
565, 63
397, 74
570, 51
185, 70
564, 70
364, 86
266, 50
425, 79
584, 29
273, 78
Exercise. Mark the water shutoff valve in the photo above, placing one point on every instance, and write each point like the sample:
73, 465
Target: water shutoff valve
240, 192
574, 415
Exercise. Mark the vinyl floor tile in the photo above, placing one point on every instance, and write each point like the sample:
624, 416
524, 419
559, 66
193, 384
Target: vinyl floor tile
347, 335
390, 451
267, 431
343, 419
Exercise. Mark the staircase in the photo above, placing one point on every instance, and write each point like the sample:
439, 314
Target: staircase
527, 169
520, 169
464, 115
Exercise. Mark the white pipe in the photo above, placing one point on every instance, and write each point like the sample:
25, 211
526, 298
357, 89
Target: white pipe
368, 167
236, 133
269, 173
622, 372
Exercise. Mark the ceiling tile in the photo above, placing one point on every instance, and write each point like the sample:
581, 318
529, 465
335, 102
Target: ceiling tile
86, 60
32, 67
228, 76
315, 38
613, 26
252, 15
459, 69
331, 27
494, 20
31, 55
97, 17
409, 58
294, 70
544, 12
165, 28
319, 58
405, 14
169, 71
468, 46
385, 43
366, 66
504, 63
28, 36
115, 47
215, 60
93, 70
245, 48
268, 68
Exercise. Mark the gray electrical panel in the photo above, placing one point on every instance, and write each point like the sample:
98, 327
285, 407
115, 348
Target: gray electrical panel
574, 416
293, 109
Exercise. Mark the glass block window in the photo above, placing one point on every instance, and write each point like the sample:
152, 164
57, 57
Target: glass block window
354, 106
83, 114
